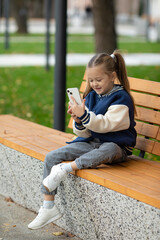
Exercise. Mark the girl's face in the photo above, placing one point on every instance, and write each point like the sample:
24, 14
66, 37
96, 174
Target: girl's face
99, 81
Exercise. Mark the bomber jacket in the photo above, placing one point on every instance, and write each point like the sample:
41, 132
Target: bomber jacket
108, 117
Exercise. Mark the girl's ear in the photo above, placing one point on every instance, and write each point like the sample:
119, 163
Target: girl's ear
113, 76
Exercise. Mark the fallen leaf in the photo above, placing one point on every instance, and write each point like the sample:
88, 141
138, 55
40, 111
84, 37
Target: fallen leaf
8, 199
14, 225
69, 234
6, 224
57, 233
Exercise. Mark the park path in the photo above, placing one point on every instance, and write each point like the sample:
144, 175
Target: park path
73, 59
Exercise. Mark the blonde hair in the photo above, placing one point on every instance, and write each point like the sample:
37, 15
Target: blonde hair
112, 63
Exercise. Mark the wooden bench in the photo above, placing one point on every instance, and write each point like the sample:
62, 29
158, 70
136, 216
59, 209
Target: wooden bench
137, 179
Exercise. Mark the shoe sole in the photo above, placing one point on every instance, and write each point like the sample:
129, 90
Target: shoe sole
49, 221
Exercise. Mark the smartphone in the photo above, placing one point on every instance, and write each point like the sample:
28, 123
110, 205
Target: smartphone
75, 93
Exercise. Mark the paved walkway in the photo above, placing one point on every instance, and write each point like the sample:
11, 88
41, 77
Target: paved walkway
14, 220
11, 60
76, 25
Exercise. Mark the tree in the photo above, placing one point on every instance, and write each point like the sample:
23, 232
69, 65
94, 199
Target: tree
104, 23
20, 11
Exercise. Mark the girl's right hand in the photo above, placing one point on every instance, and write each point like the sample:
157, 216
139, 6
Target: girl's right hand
69, 111
77, 120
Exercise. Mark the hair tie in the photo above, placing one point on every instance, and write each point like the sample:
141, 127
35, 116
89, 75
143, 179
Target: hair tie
113, 56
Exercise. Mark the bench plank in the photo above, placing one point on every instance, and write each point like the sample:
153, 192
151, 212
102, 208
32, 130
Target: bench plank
143, 85
156, 148
134, 177
148, 115
120, 185
146, 100
23, 125
24, 147
144, 144
146, 129
158, 135
142, 168
136, 84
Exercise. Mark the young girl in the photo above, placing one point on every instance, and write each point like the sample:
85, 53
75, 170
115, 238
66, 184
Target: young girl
104, 123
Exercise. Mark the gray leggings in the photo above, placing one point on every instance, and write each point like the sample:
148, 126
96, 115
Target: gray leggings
86, 155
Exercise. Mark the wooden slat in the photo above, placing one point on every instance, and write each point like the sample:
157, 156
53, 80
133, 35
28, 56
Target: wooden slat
21, 125
156, 148
142, 161
146, 86
146, 100
146, 129
148, 115
24, 147
134, 177
158, 135
144, 168
70, 125
136, 84
83, 86
144, 144
119, 184
40, 141
58, 139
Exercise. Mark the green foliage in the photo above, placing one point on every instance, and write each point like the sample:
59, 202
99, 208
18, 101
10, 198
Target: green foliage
75, 44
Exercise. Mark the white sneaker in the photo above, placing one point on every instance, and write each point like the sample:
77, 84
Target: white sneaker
44, 217
52, 181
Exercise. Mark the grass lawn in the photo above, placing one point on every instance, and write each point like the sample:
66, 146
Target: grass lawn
75, 44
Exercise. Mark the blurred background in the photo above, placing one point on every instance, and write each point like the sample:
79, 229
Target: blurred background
27, 85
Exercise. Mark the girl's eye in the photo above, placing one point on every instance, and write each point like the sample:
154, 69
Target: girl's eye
99, 80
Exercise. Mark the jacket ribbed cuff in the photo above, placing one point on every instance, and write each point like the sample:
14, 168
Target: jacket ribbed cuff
79, 126
85, 118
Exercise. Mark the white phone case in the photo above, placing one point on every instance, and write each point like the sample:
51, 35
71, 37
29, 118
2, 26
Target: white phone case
75, 93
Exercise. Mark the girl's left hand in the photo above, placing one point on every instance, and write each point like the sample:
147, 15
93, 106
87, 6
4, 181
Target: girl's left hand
77, 109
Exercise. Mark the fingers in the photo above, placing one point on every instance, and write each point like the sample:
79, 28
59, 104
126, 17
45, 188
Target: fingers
83, 102
73, 115
74, 101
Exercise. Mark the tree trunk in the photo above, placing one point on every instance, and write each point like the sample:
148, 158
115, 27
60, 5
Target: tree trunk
104, 23
20, 10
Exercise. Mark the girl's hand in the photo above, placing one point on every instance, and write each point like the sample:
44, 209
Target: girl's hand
69, 111
73, 115
77, 120
77, 109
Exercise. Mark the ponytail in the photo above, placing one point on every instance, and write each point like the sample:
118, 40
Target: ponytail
122, 74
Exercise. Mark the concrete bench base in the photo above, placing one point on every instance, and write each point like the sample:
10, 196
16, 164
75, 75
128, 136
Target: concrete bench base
90, 211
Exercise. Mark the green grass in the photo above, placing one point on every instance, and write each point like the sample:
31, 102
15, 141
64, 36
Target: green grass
75, 44
139, 47
28, 92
